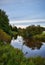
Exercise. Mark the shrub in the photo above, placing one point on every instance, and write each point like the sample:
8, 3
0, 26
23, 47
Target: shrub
40, 37
4, 36
10, 56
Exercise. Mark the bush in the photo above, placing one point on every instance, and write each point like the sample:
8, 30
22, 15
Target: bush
4, 36
10, 56
40, 37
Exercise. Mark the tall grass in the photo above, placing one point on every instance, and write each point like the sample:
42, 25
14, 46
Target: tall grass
11, 56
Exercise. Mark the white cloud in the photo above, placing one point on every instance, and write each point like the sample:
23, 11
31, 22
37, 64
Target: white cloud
29, 22
24, 21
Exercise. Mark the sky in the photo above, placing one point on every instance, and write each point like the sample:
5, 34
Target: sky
24, 11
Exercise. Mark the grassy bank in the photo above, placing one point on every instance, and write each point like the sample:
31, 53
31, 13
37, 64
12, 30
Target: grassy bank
40, 37
11, 56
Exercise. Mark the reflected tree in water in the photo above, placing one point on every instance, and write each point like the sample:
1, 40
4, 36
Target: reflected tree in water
33, 44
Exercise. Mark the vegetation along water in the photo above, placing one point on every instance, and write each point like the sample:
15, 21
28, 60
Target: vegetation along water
32, 35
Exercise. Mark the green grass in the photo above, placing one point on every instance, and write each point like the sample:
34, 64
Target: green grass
11, 56
40, 37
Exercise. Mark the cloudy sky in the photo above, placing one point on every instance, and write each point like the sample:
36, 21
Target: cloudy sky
22, 11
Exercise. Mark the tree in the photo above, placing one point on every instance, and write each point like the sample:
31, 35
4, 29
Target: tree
4, 21
14, 29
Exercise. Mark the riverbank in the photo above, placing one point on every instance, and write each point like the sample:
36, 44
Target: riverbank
11, 56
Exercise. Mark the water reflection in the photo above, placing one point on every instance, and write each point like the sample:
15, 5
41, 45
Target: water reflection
30, 49
33, 44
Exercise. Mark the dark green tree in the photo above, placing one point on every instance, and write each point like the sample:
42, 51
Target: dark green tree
14, 29
4, 21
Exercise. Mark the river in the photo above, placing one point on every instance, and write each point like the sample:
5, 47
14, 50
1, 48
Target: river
28, 51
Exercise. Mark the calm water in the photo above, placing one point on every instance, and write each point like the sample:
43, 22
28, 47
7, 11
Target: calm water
28, 51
